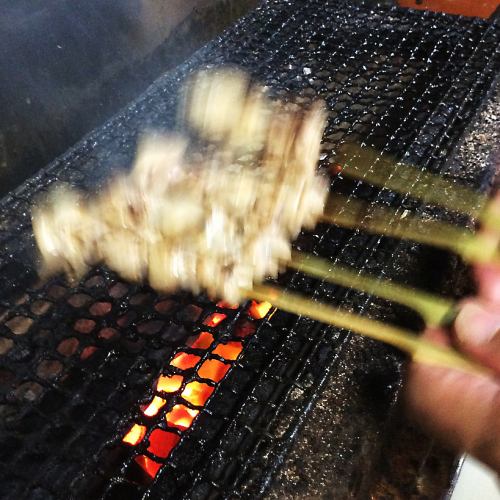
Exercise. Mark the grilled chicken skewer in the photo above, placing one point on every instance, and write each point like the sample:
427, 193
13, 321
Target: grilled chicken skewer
419, 349
382, 170
472, 247
216, 219
434, 310
220, 218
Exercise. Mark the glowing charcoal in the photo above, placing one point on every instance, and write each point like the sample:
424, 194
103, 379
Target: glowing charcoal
84, 325
88, 352
100, 308
214, 319
169, 383
135, 435
244, 328
197, 393
202, 341
229, 351
108, 333
335, 169
165, 306
213, 369
258, 310
154, 407
183, 360
226, 305
149, 466
161, 443
181, 417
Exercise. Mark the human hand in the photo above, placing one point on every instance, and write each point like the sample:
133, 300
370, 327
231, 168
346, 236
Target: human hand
461, 409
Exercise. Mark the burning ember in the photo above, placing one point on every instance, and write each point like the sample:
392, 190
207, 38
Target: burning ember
135, 434
214, 319
229, 351
149, 466
202, 341
213, 369
197, 393
258, 310
170, 383
194, 393
161, 443
184, 360
226, 305
154, 407
181, 417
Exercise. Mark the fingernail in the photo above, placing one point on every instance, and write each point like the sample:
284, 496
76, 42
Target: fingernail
476, 325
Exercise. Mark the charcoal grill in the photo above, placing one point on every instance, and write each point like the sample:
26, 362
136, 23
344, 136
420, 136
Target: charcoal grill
79, 365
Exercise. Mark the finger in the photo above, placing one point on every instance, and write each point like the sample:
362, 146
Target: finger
488, 282
477, 330
437, 335
458, 408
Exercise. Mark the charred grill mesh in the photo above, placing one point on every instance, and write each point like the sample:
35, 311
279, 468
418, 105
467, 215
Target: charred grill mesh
77, 363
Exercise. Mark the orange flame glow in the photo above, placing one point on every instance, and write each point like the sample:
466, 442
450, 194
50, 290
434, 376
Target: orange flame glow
202, 341
135, 435
183, 360
181, 417
149, 466
229, 351
226, 305
214, 319
259, 310
197, 393
161, 443
169, 383
213, 369
335, 169
154, 407
88, 352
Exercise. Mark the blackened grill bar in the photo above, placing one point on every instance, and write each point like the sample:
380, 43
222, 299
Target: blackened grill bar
78, 366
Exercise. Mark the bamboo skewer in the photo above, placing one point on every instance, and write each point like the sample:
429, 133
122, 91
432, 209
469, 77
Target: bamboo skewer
371, 166
419, 349
435, 310
383, 170
478, 248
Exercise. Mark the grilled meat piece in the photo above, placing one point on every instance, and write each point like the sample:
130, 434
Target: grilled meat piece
216, 213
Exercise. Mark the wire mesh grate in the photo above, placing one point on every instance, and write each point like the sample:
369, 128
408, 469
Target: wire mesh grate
80, 366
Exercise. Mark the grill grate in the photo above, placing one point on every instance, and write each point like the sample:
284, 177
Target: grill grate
77, 365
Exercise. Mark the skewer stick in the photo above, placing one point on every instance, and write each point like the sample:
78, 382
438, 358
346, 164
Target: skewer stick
369, 165
421, 350
435, 310
376, 219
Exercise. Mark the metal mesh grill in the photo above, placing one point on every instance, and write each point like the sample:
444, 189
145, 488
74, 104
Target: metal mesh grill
77, 365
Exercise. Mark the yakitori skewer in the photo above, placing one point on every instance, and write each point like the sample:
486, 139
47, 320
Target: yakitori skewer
418, 348
222, 218
435, 310
383, 170
354, 213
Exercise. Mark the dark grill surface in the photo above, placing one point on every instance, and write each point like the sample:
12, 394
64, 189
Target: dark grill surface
76, 364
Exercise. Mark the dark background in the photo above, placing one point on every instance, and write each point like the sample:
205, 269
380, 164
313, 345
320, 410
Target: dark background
66, 67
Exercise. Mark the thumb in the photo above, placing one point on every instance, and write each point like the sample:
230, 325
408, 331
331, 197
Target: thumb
477, 328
